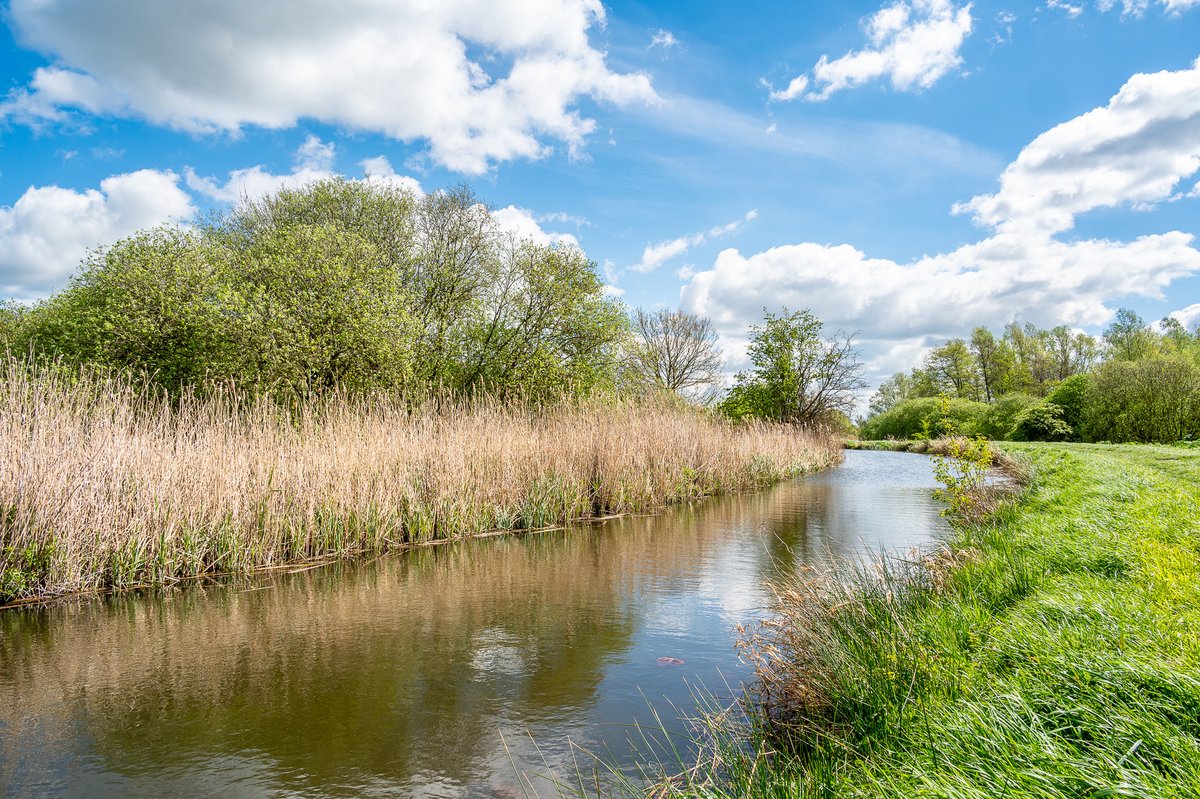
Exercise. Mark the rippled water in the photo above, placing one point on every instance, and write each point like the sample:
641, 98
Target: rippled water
445, 672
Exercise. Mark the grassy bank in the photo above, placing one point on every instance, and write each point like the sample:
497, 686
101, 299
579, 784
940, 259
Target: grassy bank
1053, 651
103, 485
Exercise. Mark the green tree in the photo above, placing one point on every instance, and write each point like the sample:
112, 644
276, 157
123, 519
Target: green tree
954, 370
994, 360
891, 392
152, 303
1128, 339
1147, 400
798, 374
543, 328
1071, 395
1041, 422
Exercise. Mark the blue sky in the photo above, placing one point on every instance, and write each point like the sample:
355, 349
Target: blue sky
907, 169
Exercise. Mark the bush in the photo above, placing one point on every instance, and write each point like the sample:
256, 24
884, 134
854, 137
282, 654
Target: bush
1152, 400
1071, 396
1041, 422
1003, 413
927, 417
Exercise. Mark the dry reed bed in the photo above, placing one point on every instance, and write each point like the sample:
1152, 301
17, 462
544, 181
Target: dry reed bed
104, 485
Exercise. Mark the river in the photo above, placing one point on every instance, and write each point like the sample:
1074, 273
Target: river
474, 669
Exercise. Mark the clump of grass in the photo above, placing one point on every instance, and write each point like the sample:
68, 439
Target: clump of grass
105, 484
1050, 651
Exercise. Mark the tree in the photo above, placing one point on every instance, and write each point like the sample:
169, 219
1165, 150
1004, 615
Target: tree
953, 369
543, 326
1152, 399
13, 318
676, 351
1071, 352
1128, 338
797, 374
891, 392
994, 359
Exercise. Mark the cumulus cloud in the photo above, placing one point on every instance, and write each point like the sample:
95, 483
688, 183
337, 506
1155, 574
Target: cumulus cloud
481, 82
1189, 317
655, 255
47, 232
522, 223
911, 43
1134, 151
313, 161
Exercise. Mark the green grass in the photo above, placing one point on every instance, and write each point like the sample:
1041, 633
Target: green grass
1054, 651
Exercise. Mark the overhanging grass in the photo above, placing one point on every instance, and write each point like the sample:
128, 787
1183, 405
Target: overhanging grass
1051, 652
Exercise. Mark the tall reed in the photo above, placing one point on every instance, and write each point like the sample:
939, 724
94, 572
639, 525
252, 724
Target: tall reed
104, 484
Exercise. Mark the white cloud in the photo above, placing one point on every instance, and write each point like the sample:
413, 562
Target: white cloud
1135, 150
314, 161
655, 255
481, 82
524, 225
1070, 10
911, 43
1136, 8
1189, 317
795, 88
664, 39
49, 230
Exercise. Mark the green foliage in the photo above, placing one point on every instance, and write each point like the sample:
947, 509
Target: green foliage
1071, 396
348, 285
13, 318
1128, 338
927, 417
1002, 415
798, 374
1151, 400
1041, 422
962, 472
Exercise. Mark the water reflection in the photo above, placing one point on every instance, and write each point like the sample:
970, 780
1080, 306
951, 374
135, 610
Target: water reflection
398, 677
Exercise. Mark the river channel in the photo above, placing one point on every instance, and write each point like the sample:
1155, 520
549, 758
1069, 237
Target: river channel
475, 669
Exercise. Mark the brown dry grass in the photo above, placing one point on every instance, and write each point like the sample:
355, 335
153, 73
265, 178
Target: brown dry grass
105, 485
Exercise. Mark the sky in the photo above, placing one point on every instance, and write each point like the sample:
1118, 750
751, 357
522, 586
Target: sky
905, 170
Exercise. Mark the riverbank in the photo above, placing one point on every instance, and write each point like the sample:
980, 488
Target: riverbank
1051, 651
105, 486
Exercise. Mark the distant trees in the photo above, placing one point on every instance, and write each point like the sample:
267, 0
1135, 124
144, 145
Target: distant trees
1140, 383
677, 351
1023, 359
798, 374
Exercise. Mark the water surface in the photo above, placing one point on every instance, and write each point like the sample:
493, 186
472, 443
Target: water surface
446, 672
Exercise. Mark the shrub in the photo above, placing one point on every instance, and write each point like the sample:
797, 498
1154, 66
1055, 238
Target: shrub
1153, 400
1041, 422
927, 417
1003, 413
1071, 396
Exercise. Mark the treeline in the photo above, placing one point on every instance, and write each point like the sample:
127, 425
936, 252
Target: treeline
1136, 383
357, 286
